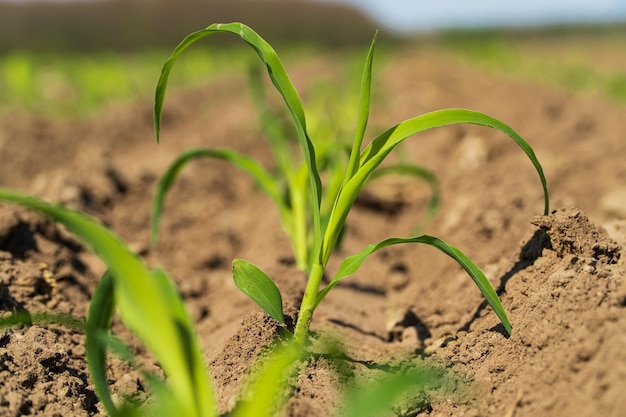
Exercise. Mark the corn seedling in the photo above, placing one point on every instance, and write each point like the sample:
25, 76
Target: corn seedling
286, 183
148, 303
326, 229
332, 153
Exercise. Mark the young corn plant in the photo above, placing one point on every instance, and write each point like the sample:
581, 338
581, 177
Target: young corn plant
332, 153
363, 164
149, 304
286, 182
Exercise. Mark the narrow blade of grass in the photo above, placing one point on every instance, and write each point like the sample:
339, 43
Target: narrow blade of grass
351, 264
187, 346
259, 287
99, 340
377, 151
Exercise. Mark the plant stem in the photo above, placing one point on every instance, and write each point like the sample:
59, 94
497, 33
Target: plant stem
308, 304
298, 205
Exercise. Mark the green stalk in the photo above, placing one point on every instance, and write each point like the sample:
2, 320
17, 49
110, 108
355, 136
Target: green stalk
308, 304
298, 211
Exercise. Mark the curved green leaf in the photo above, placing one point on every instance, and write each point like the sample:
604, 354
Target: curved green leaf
281, 82
259, 287
99, 317
352, 263
260, 175
148, 304
376, 152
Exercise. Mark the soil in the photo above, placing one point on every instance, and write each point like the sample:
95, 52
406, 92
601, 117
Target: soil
560, 277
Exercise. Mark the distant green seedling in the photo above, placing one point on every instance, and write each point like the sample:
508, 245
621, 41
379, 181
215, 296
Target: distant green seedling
306, 192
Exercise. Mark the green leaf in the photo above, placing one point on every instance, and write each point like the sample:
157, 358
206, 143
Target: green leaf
188, 346
99, 340
352, 263
267, 391
147, 305
101, 310
281, 82
376, 152
257, 285
364, 110
249, 165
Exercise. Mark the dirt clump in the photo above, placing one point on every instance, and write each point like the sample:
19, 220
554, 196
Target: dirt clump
565, 299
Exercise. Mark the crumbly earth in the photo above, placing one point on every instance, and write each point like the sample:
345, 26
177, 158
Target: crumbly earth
560, 277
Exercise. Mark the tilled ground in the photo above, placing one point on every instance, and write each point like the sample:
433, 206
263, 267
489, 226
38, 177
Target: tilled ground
560, 277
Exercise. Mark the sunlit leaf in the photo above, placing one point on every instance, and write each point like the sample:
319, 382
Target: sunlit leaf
147, 303
378, 150
267, 391
364, 110
281, 82
352, 263
259, 287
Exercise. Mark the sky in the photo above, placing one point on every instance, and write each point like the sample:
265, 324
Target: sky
421, 15
408, 15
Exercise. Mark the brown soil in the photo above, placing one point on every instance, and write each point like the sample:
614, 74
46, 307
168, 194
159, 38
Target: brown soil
560, 277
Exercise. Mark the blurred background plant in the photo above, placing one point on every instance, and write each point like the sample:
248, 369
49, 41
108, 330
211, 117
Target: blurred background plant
73, 58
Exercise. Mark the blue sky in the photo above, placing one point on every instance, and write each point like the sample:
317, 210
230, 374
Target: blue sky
409, 15
425, 15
